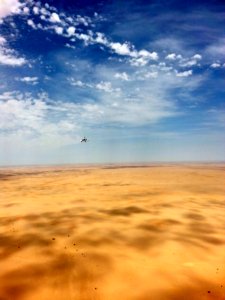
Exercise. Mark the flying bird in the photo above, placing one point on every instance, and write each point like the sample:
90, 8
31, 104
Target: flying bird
84, 139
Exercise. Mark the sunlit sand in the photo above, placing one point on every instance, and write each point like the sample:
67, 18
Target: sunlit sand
131, 233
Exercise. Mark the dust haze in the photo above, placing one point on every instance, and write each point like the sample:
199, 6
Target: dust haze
113, 232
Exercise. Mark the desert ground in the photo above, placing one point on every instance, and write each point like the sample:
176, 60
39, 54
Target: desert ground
112, 232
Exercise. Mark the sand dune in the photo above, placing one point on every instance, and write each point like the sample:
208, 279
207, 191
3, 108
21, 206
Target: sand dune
112, 232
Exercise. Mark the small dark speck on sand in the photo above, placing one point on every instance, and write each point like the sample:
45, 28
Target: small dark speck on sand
221, 285
53, 239
95, 288
209, 292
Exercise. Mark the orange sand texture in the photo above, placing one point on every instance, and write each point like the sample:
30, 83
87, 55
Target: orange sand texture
112, 232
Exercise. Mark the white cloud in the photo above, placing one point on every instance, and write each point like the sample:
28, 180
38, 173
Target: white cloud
36, 10
143, 75
171, 56
6, 95
8, 56
54, 18
136, 104
143, 53
138, 58
83, 20
80, 83
71, 31
69, 20
70, 46
31, 23
216, 117
149, 55
197, 57
59, 30
184, 74
85, 37
165, 68
143, 57
105, 86
77, 83
215, 65
139, 62
123, 76
26, 10
8, 7
2, 40
29, 80
184, 62
101, 39
29, 119
217, 49
33, 120
123, 49
10, 60
188, 62
45, 12
151, 75
23, 113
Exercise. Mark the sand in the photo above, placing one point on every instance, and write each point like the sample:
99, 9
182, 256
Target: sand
113, 232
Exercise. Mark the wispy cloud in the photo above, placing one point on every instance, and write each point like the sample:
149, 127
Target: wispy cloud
28, 80
123, 76
184, 74
8, 56
216, 50
10, 59
99, 72
106, 87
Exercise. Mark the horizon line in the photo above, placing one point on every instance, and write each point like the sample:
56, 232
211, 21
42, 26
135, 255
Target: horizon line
96, 164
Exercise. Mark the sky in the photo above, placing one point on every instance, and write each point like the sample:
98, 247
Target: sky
142, 80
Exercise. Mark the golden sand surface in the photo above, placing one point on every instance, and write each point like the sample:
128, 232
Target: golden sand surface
152, 232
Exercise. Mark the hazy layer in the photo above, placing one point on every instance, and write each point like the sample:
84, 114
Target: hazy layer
128, 233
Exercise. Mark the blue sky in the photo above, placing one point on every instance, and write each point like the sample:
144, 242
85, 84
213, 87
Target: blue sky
143, 80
